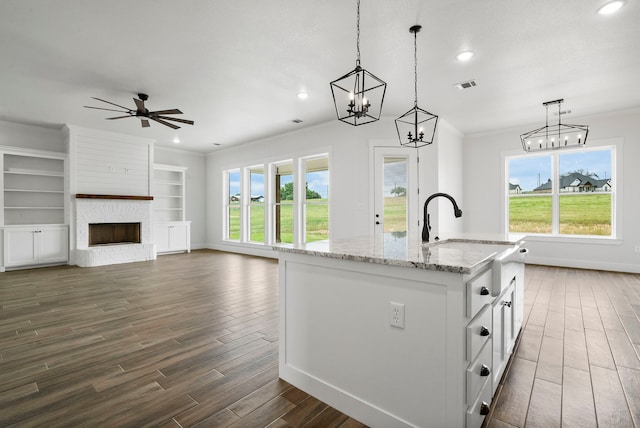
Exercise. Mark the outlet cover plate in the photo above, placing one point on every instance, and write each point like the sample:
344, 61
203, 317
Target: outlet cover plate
396, 314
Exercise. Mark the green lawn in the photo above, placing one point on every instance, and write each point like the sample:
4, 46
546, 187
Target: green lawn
395, 214
584, 214
317, 222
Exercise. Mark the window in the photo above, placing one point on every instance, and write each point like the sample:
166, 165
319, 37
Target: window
562, 193
256, 204
279, 202
284, 196
316, 199
232, 208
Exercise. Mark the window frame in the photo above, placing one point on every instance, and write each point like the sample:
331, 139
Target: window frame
298, 204
615, 148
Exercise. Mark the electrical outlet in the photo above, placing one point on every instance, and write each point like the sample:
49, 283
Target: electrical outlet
638, 249
396, 314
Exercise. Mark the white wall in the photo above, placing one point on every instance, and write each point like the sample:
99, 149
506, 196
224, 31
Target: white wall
32, 136
483, 200
350, 173
196, 189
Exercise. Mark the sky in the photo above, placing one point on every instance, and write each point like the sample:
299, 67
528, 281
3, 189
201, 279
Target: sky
529, 171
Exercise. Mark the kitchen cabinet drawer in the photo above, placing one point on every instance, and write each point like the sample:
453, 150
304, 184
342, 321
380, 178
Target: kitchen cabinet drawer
479, 293
478, 372
478, 332
480, 408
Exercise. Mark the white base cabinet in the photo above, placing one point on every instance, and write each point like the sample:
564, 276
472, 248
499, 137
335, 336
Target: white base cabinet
35, 245
172, 236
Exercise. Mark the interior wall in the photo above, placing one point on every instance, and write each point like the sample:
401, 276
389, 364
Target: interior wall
32, 136
484, 204
349, 174
195, 188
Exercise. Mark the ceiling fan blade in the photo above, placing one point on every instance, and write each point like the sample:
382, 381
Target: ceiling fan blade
170, 125
109, 102
172, 111
189, 122
139, 104
118, 117
145, 123
108, 109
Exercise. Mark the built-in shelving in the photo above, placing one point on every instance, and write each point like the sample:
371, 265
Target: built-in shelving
33, 189
168, 193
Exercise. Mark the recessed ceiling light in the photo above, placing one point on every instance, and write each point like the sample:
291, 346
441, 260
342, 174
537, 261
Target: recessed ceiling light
611, 7
465, 56
176, 140
303, 95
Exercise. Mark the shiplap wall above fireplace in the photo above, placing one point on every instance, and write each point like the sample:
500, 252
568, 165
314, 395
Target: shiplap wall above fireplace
105, 163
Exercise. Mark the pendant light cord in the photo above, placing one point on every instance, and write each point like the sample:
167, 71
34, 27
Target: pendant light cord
358, 34
415, 67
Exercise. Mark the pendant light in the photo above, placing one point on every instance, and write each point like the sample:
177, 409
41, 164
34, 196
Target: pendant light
417, 127
553, 137
358, 95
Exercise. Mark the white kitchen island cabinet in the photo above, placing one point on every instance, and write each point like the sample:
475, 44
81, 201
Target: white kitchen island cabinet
340, 307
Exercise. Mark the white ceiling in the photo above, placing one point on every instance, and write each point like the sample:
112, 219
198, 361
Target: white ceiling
235, 67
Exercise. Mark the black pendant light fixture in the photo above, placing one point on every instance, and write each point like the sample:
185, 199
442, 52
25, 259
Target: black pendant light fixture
417, 127
553, 137
358, 95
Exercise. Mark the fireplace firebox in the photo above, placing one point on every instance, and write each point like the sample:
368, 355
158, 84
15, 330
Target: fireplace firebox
113, 233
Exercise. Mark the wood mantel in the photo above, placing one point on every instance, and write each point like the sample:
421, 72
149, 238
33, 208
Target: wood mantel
128, 197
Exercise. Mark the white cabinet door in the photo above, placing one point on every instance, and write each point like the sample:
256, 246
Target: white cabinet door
33, 245
53, 244
20, 246
161, 237
503, 332
179, 237
172, 236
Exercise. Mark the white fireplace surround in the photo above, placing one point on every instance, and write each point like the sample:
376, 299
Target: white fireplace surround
94, 210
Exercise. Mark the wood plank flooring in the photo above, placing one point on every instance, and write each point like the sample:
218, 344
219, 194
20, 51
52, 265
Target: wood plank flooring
187, 340
192, 340
577, 362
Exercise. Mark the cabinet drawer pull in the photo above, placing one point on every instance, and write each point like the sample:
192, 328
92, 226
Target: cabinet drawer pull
484, 370
484, 409
484, 291
484, 331
507, 304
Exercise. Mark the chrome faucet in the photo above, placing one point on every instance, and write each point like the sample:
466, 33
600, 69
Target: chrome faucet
426, 227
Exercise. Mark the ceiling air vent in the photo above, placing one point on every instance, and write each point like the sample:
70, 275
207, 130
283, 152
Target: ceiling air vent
466, 85
297, 121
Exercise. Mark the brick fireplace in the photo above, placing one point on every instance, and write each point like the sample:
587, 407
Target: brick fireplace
113, 229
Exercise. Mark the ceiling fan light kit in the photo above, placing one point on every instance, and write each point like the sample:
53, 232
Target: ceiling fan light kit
143, 113
358, 95
554, 137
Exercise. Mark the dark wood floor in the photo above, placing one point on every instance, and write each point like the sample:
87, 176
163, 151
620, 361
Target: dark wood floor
577, 363
191, 340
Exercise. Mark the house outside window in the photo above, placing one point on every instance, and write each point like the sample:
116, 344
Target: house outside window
256, 204
562, 193
232, 205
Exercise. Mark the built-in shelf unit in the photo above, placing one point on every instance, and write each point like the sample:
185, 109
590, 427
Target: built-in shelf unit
33, 189
171, 232
168, 192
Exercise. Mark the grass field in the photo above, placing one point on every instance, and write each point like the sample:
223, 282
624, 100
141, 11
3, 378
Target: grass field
395, 214
317, 226
579, 214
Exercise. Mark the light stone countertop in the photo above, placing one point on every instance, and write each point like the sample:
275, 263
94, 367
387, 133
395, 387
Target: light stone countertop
460, 253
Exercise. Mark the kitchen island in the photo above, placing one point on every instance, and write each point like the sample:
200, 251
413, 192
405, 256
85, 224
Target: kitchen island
399, 334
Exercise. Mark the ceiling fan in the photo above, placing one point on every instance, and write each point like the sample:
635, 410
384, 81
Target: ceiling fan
144, 114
